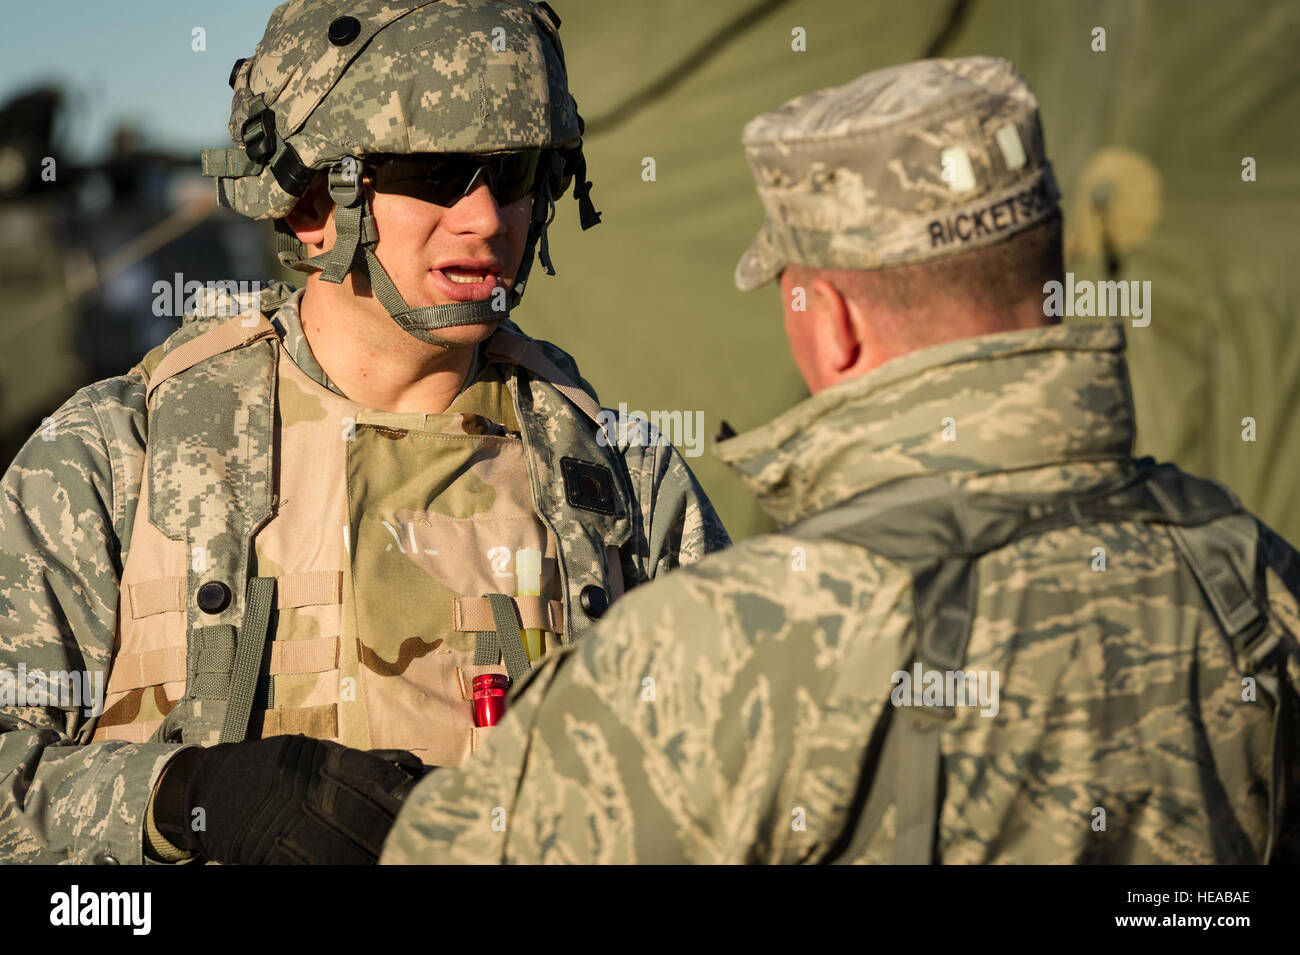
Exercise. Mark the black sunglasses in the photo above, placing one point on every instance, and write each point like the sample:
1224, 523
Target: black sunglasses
443, 179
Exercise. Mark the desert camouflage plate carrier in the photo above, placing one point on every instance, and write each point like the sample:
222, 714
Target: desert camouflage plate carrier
209, 481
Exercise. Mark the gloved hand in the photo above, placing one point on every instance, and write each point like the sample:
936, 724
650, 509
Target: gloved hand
285, 799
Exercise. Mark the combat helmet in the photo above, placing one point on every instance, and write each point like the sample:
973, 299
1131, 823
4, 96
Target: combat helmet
333, 81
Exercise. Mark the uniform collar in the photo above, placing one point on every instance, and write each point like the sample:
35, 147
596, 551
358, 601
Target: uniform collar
289, 324
997, 403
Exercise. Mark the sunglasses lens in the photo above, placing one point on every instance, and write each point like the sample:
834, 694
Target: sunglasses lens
445, 179
440, 181
515, 174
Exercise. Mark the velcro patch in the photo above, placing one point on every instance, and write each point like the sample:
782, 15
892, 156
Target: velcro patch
589, 486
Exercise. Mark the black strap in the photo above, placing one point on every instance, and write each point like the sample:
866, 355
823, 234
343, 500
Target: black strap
587, 214
938, 532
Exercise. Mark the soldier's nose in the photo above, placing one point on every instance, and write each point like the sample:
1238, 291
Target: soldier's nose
477, 212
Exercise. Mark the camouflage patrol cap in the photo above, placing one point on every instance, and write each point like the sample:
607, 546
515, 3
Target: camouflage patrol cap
338, 78
905, 164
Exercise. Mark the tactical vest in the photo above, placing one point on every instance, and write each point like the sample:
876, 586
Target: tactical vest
232, 618
1215, 536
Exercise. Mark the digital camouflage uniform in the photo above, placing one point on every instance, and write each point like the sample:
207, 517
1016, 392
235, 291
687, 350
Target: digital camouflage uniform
746, 710
67, 512
130, 524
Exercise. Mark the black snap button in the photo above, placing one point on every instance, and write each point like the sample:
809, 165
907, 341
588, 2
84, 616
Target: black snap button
344, 30
213, 597
106, 858
594, 601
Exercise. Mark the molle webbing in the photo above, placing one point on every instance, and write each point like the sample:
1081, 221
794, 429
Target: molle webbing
507, 639
938, 533
475, 614
499, 621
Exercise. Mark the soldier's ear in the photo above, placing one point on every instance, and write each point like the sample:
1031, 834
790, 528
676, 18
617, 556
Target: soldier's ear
308, 217
822, 327
838, 336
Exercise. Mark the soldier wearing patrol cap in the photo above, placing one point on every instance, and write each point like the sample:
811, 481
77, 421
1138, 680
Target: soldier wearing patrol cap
986, 633
281, 549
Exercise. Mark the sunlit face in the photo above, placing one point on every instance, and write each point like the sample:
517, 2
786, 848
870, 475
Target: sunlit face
435, 254
437, 243
440, 254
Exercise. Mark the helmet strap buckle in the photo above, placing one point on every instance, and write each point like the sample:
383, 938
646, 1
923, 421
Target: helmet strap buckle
353, 224
345, 182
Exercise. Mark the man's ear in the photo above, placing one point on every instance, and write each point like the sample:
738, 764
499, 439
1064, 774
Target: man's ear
821, 328
308, 217
838, 341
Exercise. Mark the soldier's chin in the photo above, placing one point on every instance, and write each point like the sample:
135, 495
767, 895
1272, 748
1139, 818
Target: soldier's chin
467, 334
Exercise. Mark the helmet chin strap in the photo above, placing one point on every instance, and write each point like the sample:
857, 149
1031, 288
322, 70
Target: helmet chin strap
354, 248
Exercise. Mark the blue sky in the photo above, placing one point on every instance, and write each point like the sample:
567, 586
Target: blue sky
131, 61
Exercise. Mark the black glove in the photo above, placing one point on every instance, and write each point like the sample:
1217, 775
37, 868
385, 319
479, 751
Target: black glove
286, 799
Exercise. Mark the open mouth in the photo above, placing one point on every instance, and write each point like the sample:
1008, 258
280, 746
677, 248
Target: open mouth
466, 283
463, 276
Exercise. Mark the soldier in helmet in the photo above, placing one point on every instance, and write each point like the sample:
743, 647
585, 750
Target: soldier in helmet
273, 558
986, 632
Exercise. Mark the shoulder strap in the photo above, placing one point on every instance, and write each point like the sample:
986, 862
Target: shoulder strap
938, 533
524, 351
200, 325
211, 405
225, 337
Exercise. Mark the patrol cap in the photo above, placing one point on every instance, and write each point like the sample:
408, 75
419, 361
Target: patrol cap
905, 164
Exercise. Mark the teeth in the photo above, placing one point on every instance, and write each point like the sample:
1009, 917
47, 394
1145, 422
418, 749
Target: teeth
465, 279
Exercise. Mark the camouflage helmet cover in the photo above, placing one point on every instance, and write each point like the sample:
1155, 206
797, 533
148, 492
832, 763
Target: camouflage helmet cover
345, 78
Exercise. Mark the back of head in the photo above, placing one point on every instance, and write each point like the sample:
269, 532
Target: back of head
921, 192
994, 288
